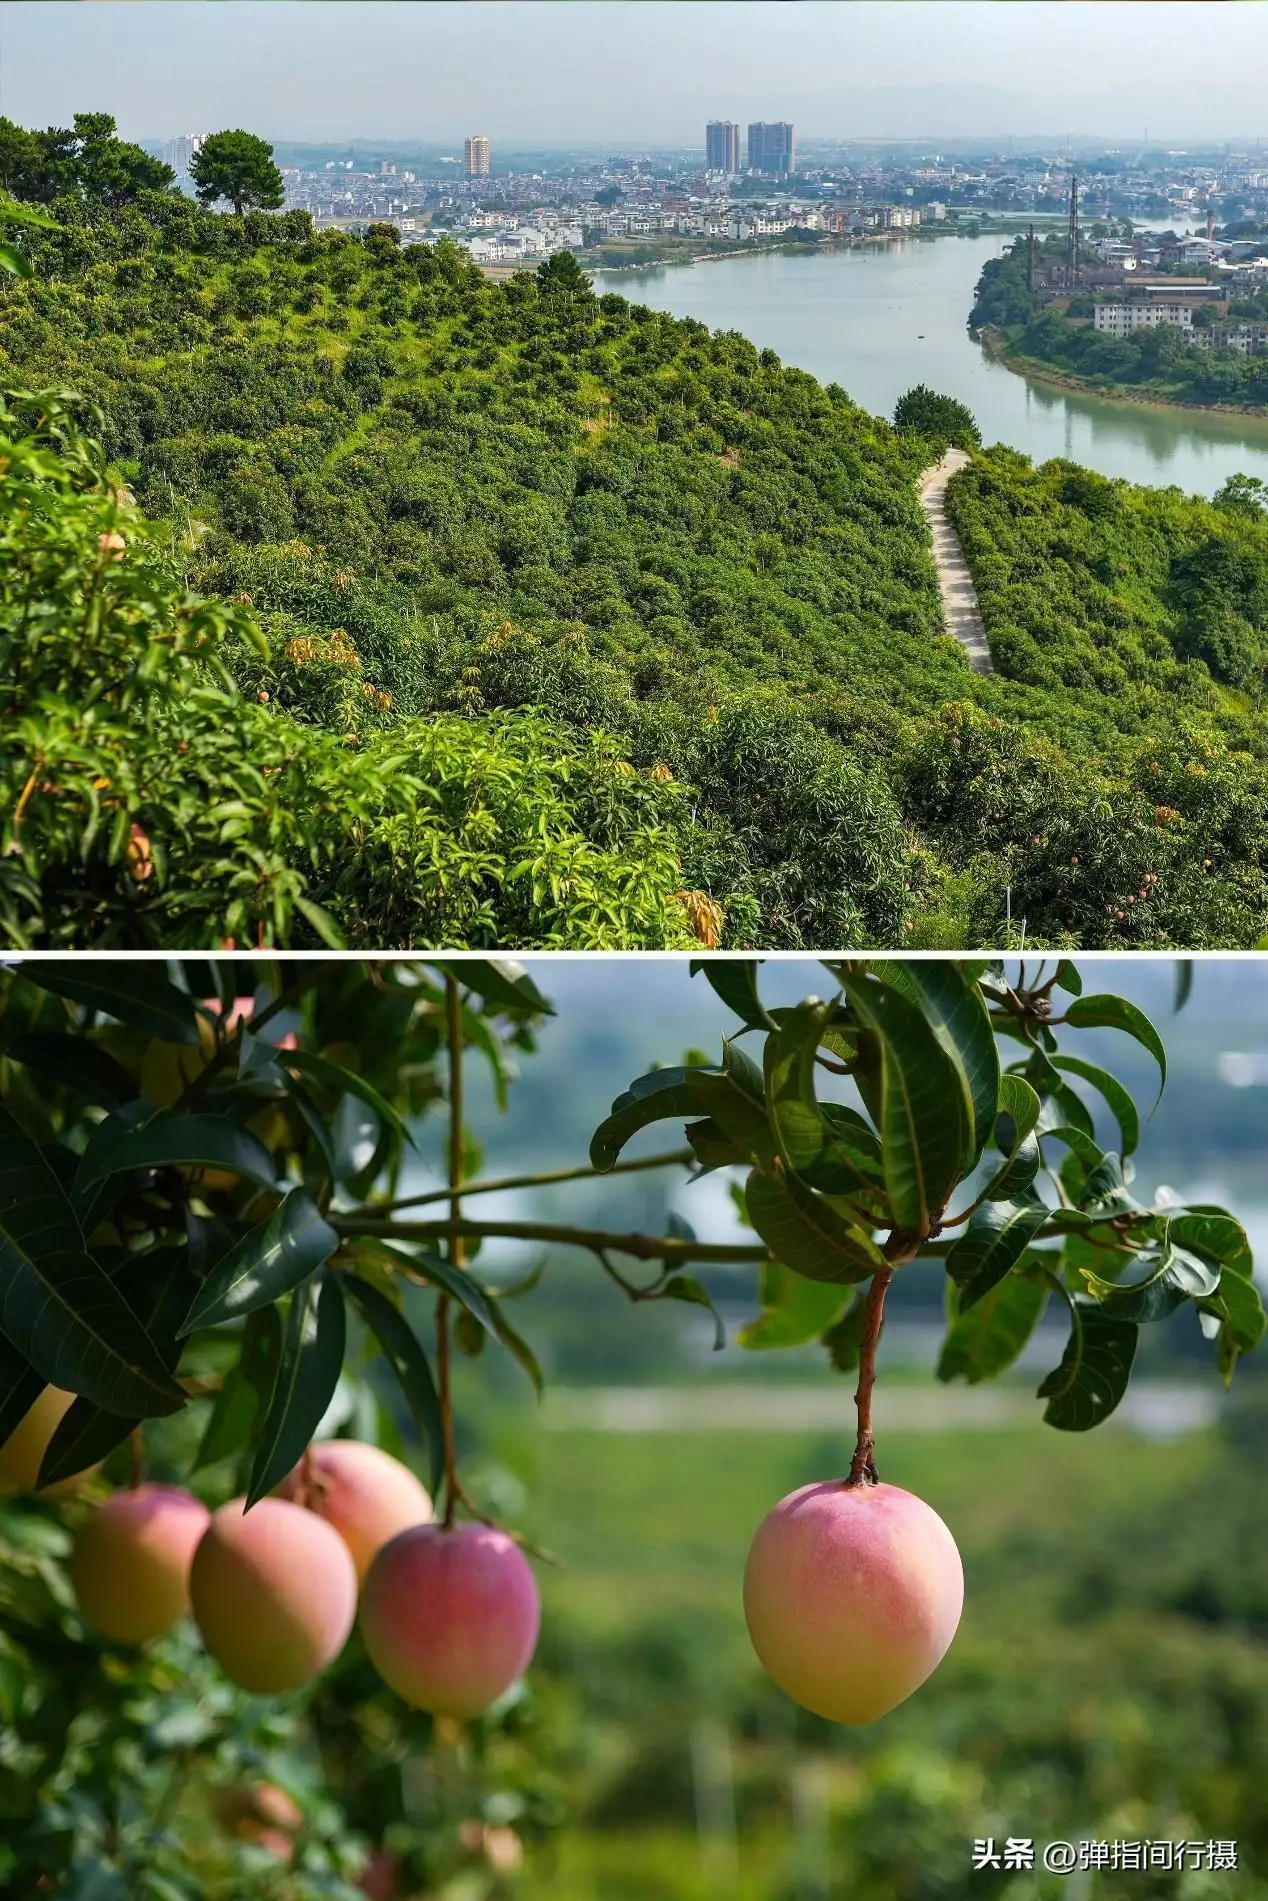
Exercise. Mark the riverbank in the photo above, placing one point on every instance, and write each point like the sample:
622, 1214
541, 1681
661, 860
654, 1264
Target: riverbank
995, 344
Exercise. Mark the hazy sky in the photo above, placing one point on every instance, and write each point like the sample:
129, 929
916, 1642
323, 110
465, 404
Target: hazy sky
630, 72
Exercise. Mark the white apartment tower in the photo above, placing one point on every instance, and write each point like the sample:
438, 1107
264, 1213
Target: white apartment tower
476, 154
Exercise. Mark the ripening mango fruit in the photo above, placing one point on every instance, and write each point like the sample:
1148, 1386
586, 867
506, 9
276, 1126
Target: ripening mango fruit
450, 1617
274, 1593
129, 1567
852, 1595
366, 1494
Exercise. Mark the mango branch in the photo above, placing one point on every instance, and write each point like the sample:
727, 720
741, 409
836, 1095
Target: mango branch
639, 1247
676, 1158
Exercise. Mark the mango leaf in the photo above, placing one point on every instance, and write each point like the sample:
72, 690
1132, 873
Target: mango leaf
1238, 1314
734, 1100
180, 1141
794, 1310
246, 1390
269, 1260
1118, 1099
1115, 1013
661, 1096
924, 1110
77, 1063
734, 980
61, 1311
1068, 978
448, 1278
686, 1287
1017, 1173
852, 1165
1104, 1190
1184, 983
408, 1361
984, 1341
1171, 1277
138, 994
346, 1082
806, 1233
1211, 1232
711, 1148
957, 1010
1095, 1368
1018, 1109
1081, 1146
502, 983
801, 1130
997, 1236
159, 1284
20, 1387
312, 1360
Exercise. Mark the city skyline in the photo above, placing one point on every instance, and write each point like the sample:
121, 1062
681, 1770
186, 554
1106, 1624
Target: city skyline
627, 72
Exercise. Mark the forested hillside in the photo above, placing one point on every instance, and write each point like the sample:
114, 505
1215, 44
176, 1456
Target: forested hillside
429, 502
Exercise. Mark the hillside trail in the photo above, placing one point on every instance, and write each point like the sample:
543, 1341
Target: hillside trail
960, 610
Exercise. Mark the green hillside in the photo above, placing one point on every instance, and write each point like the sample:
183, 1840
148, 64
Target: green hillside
443, 501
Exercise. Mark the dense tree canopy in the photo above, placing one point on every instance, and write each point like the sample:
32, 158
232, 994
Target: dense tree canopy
239, 167
445, 500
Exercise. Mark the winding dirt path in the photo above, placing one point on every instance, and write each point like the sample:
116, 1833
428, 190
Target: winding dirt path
960, 610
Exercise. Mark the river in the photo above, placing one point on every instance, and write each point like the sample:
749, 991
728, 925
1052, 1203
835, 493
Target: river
878, 317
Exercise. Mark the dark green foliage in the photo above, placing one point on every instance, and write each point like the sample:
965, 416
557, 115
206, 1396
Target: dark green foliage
940, 419
239, 167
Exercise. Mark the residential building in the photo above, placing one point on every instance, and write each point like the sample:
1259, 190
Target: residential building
1248, 339
476, 156
1122, 320
722, 146
772, 149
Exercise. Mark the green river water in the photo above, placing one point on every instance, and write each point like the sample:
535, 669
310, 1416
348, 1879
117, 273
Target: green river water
878, 317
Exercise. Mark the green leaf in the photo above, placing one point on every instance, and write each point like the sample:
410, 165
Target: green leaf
179, 1141
266, 1263
984, 1341
20, 1387
323, 924
1115, 1013
794, 1310
661, 1096
246, 1391
1211, 1232
138, 994
455, 1281
77, 1064
734, 1098
159, 1284
1020, 1103
801, 1130
1174, 1276
852, 1165
409, 1363
61, 1311
925, 1114
711, 1148
312, 1360
1120, 1103
1184, 983
1104, 1190
1068, 978
1017, 1173
1240, 1312
502, 983
686, 1287
1094, 1370
343, 1081
957, 1011
806, 1233
734, 980
998, 1234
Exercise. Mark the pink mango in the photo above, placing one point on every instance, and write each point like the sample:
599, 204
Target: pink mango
852, 1596
274, 1592
366, 1494
129, 1568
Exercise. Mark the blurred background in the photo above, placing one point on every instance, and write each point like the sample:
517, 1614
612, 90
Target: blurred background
1110, 1677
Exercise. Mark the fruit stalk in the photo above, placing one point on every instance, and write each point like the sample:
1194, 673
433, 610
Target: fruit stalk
901, 1246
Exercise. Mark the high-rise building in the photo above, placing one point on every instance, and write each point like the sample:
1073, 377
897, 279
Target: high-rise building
772, 149
721, 146
476, 153
178, 152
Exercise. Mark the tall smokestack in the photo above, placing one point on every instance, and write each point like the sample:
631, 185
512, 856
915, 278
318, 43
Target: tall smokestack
1210, 224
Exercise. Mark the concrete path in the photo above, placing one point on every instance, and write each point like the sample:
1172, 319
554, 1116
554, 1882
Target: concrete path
960, 610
